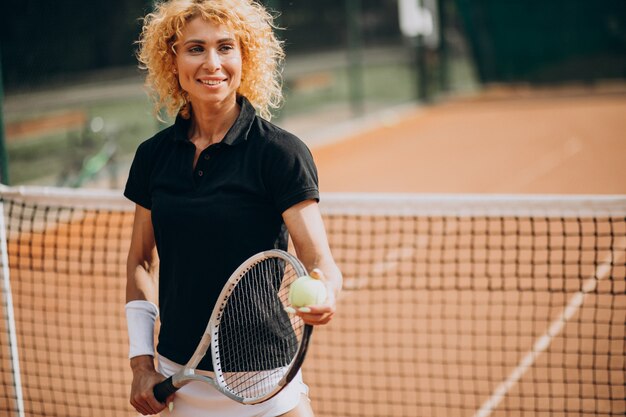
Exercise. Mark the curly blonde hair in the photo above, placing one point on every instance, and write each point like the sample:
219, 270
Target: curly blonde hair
262, 53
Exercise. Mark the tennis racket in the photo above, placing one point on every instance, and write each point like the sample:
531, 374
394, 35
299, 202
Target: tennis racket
256, 347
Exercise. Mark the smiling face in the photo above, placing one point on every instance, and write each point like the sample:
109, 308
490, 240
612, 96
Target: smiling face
208, 62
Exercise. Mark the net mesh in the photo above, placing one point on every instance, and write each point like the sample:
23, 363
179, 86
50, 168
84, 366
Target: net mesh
453, 306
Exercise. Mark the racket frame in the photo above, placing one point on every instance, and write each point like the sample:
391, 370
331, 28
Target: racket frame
210, 338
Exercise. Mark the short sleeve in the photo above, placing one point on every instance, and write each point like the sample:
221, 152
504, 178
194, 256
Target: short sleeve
291, 173
138, 184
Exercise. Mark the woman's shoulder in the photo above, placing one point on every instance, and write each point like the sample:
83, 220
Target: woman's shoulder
156, 141
274, 137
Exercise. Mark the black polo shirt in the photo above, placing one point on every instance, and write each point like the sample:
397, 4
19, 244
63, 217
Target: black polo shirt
209, 219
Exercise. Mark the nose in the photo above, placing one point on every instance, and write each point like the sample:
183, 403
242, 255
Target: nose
212, 62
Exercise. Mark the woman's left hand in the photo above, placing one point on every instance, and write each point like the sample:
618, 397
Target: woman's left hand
320, 313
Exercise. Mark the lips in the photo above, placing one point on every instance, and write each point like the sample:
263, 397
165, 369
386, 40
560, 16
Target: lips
211, 82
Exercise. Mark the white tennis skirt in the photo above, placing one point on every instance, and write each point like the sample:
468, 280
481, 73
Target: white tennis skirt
199, 399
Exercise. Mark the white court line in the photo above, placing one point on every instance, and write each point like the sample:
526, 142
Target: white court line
555, 328
545, 163
392, 259
390, 263
10, 316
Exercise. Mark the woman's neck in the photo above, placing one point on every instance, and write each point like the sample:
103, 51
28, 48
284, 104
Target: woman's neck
210, 123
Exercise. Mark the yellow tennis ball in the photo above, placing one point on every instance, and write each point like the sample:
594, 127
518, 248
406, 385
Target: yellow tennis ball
306, 291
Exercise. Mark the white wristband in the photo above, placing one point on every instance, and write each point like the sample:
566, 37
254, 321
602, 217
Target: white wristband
140, 318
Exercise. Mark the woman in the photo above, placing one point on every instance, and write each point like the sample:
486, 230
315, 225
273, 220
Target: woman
216, 187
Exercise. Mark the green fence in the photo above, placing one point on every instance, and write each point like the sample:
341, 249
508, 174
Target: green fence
546, 41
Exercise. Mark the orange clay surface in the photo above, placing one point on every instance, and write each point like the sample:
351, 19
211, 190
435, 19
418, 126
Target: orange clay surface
534, 143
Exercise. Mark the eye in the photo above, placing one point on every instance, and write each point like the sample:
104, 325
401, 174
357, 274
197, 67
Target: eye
196, 49
226, 48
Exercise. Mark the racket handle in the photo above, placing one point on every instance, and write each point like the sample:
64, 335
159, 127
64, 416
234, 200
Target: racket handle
164, 389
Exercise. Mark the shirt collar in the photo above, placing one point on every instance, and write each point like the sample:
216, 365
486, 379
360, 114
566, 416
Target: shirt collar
237, 133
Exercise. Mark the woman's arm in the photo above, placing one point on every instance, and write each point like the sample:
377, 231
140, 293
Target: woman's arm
141, 265
306, 228
142, 285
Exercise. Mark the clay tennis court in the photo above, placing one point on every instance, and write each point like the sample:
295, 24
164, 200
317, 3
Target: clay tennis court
470, 323
568, 141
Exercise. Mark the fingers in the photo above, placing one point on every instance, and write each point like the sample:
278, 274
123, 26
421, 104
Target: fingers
146, 404
316, 315
317, 274
145, 409
142, 397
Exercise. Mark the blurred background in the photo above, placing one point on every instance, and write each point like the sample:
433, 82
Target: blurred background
74, 109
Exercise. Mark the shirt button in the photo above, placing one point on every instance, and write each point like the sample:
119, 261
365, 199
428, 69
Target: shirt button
207, 156
200, 173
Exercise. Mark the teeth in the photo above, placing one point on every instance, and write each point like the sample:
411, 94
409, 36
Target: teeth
210, 82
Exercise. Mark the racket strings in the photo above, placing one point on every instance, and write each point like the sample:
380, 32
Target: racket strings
257, 340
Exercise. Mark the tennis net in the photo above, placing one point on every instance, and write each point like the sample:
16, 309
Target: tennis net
452, 306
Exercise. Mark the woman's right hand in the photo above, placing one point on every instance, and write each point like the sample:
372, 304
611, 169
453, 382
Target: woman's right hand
145, 377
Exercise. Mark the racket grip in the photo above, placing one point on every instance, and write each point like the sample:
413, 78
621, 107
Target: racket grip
164, 389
